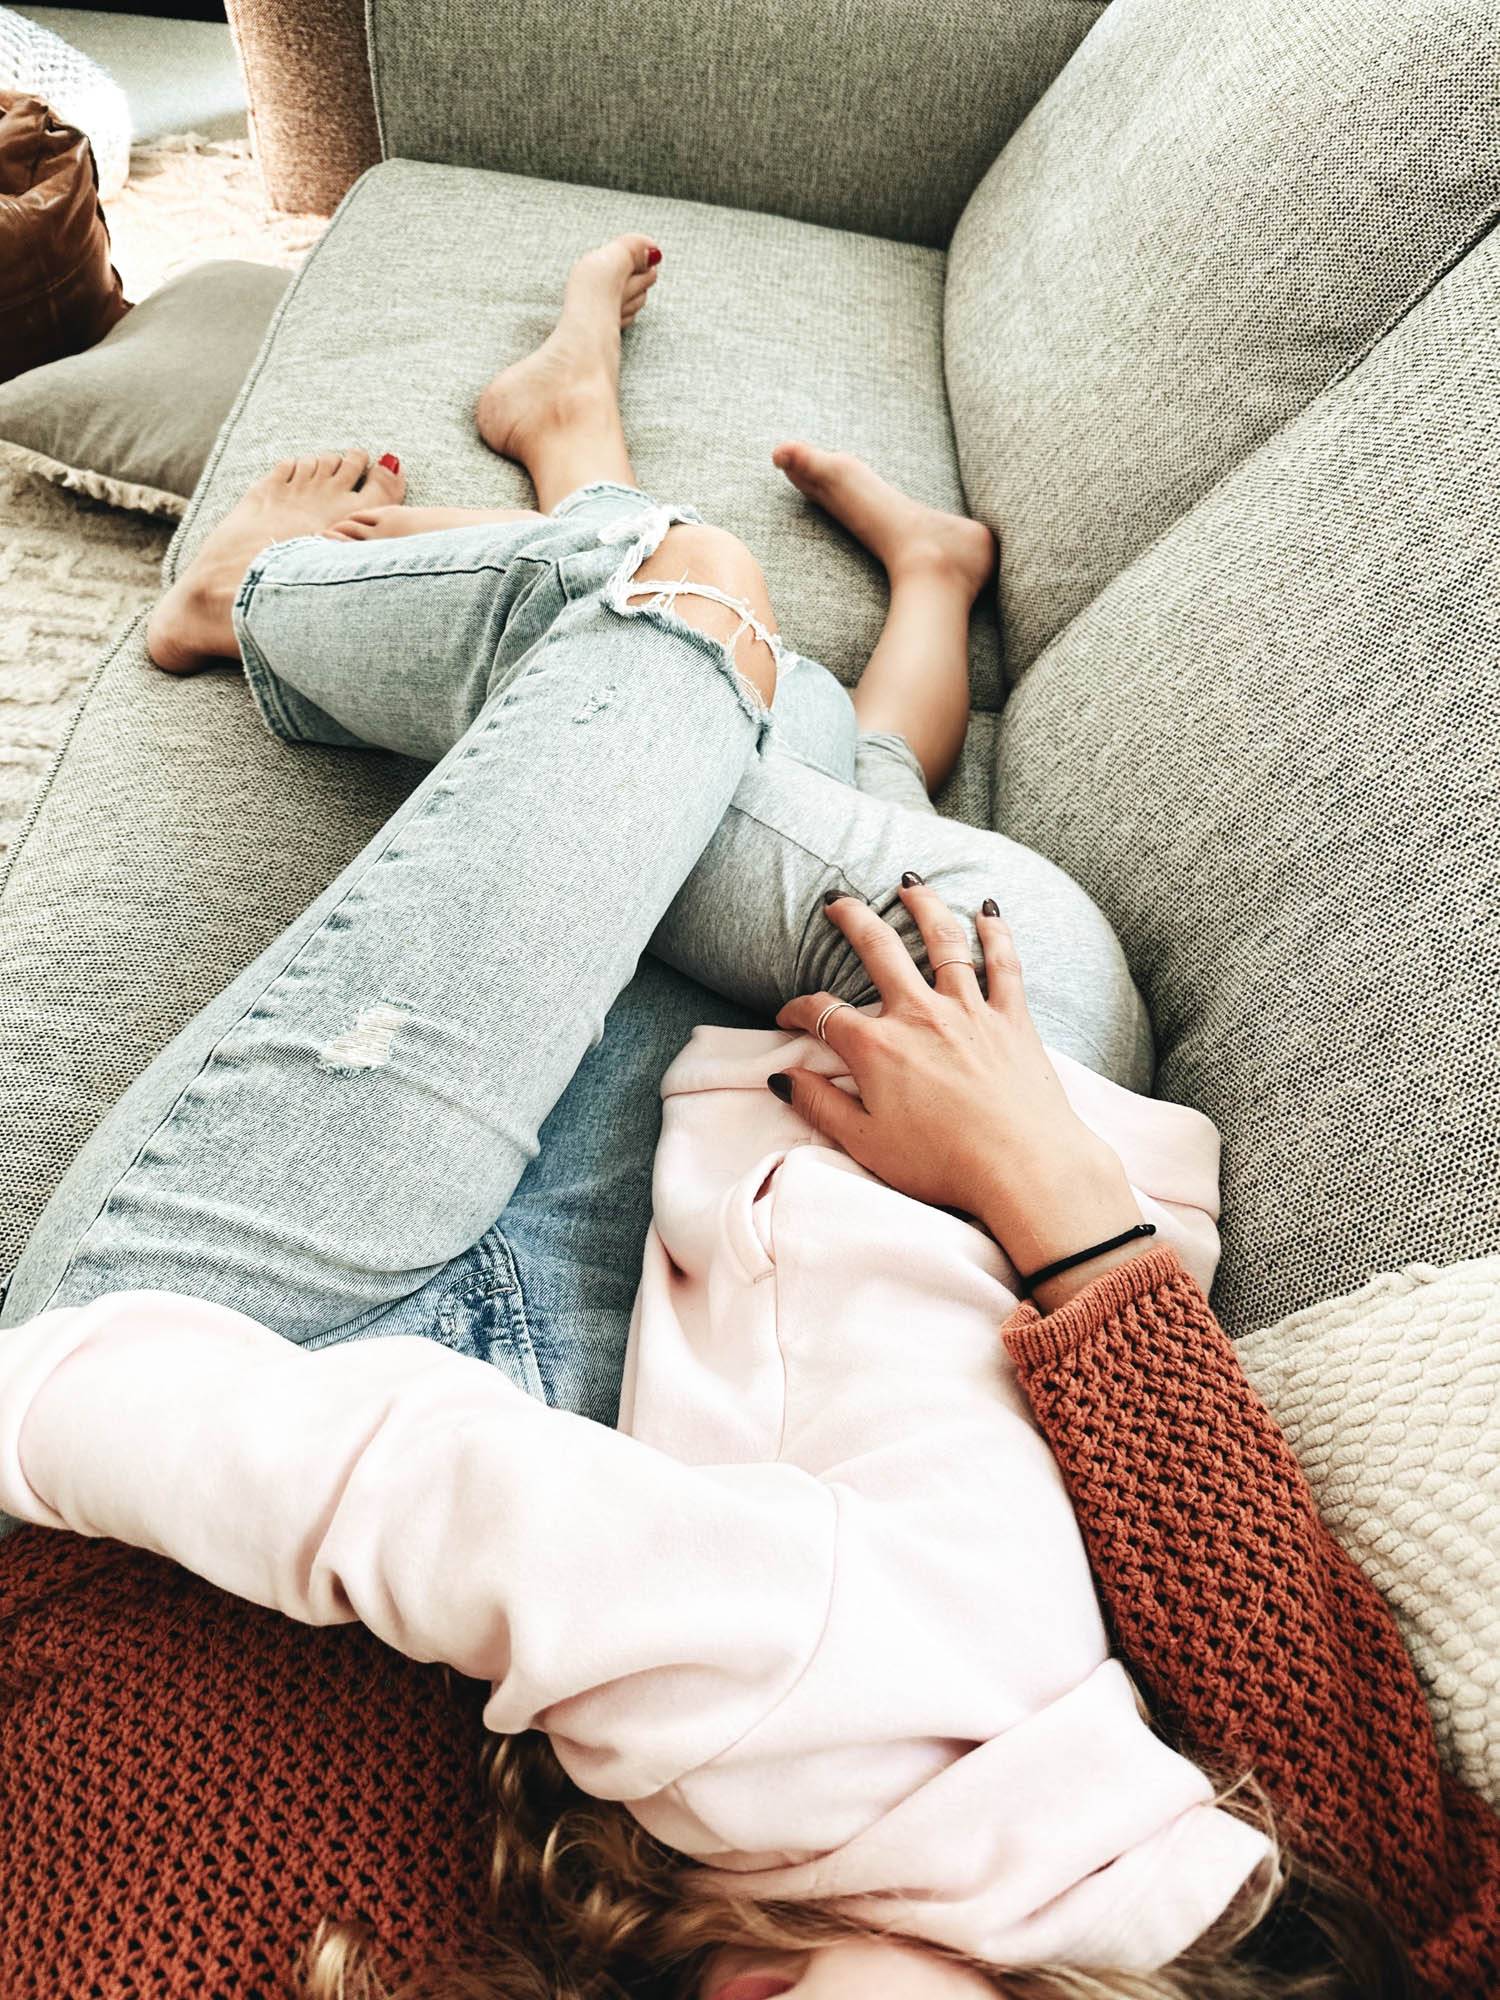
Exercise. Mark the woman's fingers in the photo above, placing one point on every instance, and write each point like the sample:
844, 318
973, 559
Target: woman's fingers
1002, 966
949, 953
832, 1020
831, 1112
890, 965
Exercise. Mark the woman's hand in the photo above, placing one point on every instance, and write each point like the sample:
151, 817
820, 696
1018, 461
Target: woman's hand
958, 1104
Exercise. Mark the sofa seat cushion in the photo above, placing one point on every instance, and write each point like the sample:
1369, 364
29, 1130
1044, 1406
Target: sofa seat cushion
176, 836
433, 277
1271, 751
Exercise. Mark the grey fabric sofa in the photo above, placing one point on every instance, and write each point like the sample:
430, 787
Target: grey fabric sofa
1196, 306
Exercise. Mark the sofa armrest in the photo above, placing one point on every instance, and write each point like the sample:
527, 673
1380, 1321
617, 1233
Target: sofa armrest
873, 115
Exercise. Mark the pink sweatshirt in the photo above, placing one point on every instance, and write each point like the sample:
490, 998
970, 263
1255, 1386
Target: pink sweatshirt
818, 1611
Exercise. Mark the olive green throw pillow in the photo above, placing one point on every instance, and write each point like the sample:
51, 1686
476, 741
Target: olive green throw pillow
131, 421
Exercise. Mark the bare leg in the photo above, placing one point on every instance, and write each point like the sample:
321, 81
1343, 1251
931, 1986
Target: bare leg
916, 684
558, 411
558, 414
377, 523
192, 625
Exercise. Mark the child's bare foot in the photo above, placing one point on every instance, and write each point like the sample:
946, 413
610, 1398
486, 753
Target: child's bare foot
905, 535
375, 524
192, 624
578, 365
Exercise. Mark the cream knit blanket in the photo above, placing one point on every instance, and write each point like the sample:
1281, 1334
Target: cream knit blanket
1391, 1399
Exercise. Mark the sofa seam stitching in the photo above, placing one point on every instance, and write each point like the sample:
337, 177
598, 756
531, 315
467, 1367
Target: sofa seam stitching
34, 811
1443, 270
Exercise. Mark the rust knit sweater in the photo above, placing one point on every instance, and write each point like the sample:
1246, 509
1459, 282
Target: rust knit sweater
189, 1784
1257, 1641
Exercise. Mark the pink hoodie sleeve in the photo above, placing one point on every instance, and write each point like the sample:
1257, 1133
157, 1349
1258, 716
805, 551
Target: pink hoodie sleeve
395, 1482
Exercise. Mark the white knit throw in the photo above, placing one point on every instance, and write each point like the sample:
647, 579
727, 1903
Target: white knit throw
1391, 1399
34, 60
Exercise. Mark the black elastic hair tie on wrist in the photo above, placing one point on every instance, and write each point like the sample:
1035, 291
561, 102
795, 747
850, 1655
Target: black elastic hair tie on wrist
1029, 1285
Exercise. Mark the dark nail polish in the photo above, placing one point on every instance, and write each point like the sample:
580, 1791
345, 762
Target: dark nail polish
780, 1086
653, 255
833, 896
912, 880
989, 907
391, 463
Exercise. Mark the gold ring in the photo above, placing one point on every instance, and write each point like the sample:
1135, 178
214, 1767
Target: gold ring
833, 1008
953, 961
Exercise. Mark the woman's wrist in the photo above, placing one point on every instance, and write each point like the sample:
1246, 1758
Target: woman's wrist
1059, 1291
1068, 1206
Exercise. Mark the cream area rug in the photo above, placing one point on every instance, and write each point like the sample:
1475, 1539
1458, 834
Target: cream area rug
71, 571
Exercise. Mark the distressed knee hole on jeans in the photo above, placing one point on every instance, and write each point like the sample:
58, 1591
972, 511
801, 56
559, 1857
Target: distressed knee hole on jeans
646, 532
661, 594
366, 1045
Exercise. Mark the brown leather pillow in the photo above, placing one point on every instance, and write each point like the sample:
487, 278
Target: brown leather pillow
59, 293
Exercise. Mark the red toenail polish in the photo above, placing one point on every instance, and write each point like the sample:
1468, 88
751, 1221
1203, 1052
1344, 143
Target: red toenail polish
653, 255
391, 462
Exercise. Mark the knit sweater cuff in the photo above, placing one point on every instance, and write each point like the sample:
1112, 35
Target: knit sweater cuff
1039, 1340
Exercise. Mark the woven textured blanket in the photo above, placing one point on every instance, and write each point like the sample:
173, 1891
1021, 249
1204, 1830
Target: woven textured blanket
1390, 1396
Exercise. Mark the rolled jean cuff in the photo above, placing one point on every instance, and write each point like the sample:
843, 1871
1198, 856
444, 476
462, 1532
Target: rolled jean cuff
285, 712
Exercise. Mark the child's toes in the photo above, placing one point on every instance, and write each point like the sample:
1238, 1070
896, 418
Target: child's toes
802, 463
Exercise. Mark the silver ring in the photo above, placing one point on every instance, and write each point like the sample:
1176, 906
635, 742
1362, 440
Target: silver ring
952, 961
832, 1008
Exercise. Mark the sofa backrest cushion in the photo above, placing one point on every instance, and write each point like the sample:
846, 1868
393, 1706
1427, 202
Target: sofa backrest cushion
1213, 213
874, 115
1270, 749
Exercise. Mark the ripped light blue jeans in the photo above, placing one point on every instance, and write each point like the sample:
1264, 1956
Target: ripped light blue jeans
431, 1105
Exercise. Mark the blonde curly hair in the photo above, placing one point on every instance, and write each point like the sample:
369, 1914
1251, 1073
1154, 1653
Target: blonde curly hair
589, 1906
